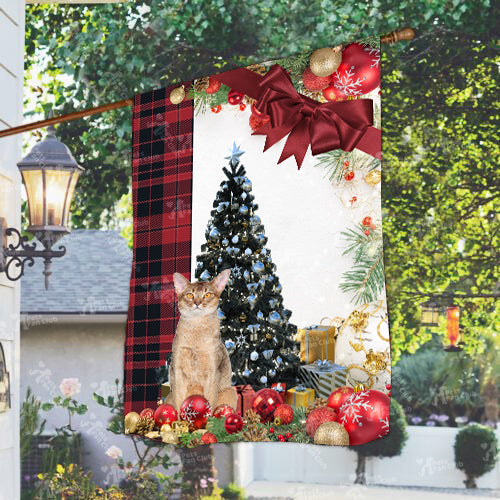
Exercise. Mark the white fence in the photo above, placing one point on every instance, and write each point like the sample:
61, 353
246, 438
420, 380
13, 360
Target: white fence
427, 460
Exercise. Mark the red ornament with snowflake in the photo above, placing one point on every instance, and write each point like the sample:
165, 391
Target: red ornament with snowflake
233, 423
338, 397
332, 93
195, 410
148, 413
317, 417
165, 414
222, 411
365, 416
213, 86
359, 72
285, 413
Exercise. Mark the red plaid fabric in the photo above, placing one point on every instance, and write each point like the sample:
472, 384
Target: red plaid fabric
162, 172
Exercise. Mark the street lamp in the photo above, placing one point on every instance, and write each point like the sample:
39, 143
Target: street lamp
430, 314
50, 174
453, 328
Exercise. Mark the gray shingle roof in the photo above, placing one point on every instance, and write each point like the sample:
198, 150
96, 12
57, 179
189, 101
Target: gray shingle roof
92, 278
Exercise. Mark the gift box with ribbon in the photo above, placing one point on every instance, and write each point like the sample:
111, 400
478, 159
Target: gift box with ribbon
279, 387
299, 396
323, 376
318, 342
245, 396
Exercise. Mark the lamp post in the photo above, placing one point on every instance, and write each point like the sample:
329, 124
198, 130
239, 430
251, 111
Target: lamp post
430, 314
50, 173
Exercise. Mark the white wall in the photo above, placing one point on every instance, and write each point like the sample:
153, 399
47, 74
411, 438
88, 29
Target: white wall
11, 88
427, 460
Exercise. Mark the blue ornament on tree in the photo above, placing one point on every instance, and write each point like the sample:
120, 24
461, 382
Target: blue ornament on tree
235, 239
247, 185
205, 275
243, 209
258, 267
214, 234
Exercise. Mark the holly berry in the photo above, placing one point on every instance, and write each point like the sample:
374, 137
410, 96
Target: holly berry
243, 106
367, 232
288, 435
354, 198
388, 387
213, 86
280, 437
349, 176
271, 429
367, 221
389, 393
373, 226
216, 109
346, 163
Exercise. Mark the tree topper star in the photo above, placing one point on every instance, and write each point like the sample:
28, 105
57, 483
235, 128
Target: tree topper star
235, 154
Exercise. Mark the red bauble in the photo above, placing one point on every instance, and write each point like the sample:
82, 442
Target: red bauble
148, 413
338, 397
165, 414
243, 107
234, 97
195, 410
365, 416
233, 423
285, 413
317, 417
257, 121
332, 93
208, 438
265, 402
313, 82
213, 86
349, 176
367, 221
222, 411
359, 72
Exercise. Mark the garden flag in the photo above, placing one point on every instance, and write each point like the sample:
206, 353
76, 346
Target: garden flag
257, 296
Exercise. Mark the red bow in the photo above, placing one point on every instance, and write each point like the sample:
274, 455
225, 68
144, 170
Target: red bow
324, 126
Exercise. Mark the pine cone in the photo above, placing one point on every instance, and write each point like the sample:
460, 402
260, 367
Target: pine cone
257, 68
251, 417
316, 404
201, 84
195, 442
255, 433
144, 425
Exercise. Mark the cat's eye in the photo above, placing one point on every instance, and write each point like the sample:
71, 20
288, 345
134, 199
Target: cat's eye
208, 294
189, 295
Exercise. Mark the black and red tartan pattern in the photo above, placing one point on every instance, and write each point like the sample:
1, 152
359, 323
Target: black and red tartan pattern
162, 169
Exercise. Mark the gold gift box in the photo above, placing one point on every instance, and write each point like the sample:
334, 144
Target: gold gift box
299, 396
317, 342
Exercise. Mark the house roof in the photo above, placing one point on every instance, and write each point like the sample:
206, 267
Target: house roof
92, 278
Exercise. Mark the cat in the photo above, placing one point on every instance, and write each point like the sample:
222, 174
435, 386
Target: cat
200, 362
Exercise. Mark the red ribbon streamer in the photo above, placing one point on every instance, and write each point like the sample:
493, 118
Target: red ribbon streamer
323, 126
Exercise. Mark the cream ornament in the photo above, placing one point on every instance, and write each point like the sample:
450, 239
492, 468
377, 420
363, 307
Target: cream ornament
177, 95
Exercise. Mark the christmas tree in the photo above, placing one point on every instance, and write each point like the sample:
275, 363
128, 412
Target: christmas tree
255, 326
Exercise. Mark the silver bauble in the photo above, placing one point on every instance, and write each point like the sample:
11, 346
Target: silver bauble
243, 210
205, 275
254, 355
263, 379
247, 185
214, 233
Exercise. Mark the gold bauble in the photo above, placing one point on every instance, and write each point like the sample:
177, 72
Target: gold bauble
177, 95
375, 362
373, 177
180, 426
165, 428
359, 388
153, 435
131, 420
331, 433
170, 437
325, 61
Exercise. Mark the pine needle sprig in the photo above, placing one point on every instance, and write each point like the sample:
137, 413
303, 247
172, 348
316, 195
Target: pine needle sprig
204, 102
295, 65
366, 279
370, 41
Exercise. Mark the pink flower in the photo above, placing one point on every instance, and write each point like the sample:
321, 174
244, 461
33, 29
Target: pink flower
114, 452
70, 387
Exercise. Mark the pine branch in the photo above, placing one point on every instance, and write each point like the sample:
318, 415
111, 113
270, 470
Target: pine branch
203, 101
295, 65
334, 162
370, 41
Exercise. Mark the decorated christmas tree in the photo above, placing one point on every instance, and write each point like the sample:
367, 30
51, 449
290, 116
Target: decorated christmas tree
255, 325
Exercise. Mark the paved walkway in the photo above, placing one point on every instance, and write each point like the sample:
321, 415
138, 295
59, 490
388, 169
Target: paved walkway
277, 490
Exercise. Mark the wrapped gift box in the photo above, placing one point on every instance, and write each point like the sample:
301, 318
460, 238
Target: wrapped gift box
317, 342
323, 376
279, 387
245, 396
299, 396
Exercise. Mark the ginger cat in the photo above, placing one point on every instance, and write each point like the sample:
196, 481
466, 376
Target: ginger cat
200, 362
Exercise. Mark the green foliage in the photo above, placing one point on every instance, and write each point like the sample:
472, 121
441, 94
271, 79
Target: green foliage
393, 443
30, 423
476, 451
233, 492
435, 382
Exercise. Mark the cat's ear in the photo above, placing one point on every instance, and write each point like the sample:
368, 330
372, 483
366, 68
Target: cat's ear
180, 283
220, 280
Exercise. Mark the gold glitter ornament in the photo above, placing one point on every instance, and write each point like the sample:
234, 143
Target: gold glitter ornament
165, 428
177, 95
170, 437
375, 362
332, 434
325, 61
373, 177
358, 320
131, 421
180, 426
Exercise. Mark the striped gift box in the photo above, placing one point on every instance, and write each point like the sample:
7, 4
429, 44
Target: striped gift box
323, 376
